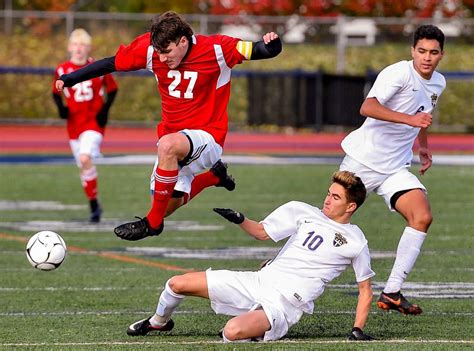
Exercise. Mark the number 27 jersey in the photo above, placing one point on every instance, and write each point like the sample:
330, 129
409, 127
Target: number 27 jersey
194, 95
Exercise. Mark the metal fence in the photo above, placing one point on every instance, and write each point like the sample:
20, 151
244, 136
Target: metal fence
342, 31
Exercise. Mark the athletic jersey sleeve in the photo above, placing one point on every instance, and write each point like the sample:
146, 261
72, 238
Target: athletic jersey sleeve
133, 56
389, 82
361, 265
231, 53
110, 83
57, 73
282, 222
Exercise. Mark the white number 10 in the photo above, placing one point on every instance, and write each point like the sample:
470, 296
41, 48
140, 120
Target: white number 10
176, 75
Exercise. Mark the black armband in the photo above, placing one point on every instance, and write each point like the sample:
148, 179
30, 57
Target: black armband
260, 50
95, 69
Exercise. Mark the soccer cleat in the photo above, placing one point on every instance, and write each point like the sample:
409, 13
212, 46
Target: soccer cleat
96, 211
143, 327
219, 169
396, 301
140, 229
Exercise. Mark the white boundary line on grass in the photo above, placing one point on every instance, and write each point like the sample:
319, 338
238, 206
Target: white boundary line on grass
212, 342
202, 312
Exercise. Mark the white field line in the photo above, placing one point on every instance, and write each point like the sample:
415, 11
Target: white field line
432, 290
195, 312
214, 342
106, 225
435, 286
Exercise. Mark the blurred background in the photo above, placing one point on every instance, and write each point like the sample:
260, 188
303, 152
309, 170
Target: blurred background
333, 50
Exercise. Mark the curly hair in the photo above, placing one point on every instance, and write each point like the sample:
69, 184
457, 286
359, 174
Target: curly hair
168, 28
429, 32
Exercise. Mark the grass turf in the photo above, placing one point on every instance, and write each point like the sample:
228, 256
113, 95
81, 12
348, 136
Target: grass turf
90, 300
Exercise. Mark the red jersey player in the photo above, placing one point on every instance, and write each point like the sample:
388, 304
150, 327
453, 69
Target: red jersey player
193, 74
86, 114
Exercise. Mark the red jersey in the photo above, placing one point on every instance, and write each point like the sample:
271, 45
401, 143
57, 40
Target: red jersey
194, 95
84, 99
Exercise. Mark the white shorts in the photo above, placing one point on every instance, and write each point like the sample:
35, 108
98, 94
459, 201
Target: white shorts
205, 152
88, 143
234, 293
385, 185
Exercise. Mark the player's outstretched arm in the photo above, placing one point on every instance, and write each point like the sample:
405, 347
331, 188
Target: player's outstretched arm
95, 69
362, 311
270, 46
250, 226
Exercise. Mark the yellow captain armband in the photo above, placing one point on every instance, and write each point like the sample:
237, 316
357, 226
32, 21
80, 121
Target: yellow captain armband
245, 48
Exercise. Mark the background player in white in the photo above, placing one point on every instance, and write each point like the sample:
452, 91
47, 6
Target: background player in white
321, 245
193, 74
398, 110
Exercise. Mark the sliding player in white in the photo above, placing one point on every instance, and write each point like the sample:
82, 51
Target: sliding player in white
266, 303
398, 110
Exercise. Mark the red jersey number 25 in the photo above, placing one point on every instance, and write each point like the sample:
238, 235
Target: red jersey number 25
188, 76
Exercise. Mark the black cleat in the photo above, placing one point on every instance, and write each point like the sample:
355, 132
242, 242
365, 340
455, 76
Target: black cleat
396, 301
140, 229
143, 327
219, 169
96, 211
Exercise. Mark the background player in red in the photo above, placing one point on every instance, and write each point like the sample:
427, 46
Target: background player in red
193, 74
86, 114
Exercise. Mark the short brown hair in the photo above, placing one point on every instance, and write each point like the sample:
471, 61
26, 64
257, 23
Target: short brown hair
355, 188
168, 28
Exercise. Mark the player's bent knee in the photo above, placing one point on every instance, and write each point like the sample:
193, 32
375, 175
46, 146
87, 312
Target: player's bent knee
167, 145
232, 330
421, 221
424, 220
176, 284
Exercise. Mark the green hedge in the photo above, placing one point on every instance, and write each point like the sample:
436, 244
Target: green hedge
29, 96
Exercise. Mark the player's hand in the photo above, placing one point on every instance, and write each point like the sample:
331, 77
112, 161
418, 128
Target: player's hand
64, 112
421, 120
230, 215
267, 38
426, 159
59, 85
358, 335
102, 117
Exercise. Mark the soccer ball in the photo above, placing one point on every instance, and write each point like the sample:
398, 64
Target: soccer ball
46, 250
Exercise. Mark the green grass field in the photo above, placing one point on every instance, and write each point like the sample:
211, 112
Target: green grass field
91, 299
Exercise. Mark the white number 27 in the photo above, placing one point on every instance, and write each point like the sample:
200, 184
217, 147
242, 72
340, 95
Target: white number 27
176, 75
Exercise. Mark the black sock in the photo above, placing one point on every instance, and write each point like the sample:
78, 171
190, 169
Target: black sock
94, 204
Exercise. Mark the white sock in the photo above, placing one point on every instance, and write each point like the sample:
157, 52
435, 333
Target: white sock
407, 252
168, 302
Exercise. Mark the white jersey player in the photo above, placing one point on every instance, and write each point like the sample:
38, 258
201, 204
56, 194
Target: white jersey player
321, 245
398, 110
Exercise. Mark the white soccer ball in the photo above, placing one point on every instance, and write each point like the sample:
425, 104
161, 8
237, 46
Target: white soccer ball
46, 250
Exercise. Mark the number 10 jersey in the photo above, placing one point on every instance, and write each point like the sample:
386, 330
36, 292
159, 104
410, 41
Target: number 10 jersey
317, 251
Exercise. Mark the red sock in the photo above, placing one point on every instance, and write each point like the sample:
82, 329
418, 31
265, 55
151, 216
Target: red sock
89, 183
164, 185
201, 182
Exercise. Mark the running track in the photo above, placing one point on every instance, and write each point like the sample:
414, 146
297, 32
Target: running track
41, 139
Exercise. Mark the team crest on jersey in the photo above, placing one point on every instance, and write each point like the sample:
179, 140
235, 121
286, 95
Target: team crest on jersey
339, 240
434, 99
